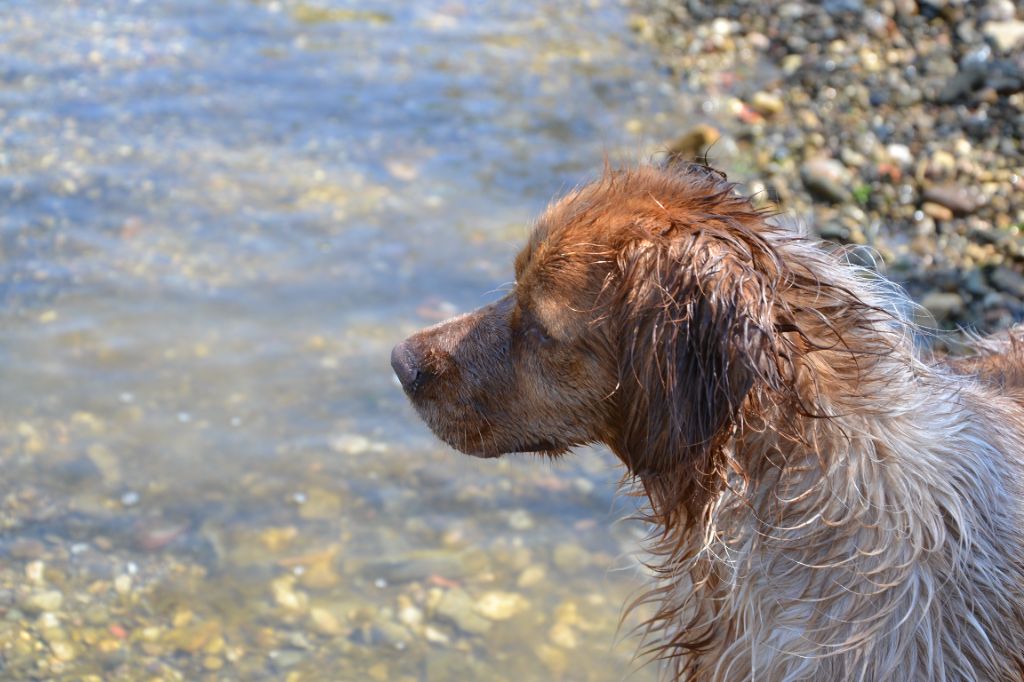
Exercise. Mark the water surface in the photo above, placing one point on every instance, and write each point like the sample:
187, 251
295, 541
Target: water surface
218, 217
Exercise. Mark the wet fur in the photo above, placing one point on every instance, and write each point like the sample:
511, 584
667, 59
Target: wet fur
827, 504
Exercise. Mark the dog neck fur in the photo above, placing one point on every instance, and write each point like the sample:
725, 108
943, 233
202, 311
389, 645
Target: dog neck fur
854, 528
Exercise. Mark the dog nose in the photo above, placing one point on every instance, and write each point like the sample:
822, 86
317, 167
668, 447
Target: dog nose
408, 367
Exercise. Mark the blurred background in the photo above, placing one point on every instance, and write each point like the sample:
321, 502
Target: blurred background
219, 215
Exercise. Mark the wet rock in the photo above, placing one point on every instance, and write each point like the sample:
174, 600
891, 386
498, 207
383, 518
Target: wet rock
457, 607
937, 211
41, 601
767, 104
999, 10
958, 199
498, 605
321, 572
563, 635
1005, 35
192, 638
320, 504
553, 659
974, 283
106, 462
27, 549
409, 615
520, 519
943, 305
571, 557
693, 144
393, 634
153, 534
531, 575
325, 622
900, 154
1010, 281
350, 444
63, 650
35, 572
826, 179
286, 596
421, 564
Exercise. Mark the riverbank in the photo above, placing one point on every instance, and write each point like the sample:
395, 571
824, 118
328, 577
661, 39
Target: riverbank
894, 124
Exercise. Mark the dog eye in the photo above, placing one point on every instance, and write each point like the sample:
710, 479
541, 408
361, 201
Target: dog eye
539, 334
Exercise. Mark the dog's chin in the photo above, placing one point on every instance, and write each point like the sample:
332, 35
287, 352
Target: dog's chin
488, 451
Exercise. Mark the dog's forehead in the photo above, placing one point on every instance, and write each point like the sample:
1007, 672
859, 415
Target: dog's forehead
553, 273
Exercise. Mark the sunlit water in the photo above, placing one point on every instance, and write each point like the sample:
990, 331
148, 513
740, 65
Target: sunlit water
217, 218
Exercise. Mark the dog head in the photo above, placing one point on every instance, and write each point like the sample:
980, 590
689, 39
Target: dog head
641, 317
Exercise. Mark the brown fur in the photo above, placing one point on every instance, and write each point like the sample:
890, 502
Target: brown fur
810, 478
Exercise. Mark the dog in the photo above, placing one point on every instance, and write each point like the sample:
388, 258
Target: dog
829, 502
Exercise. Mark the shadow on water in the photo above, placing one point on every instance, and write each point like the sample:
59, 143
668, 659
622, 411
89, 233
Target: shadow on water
218, 217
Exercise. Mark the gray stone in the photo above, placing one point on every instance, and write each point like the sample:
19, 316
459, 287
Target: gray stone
942, 304
954, 197
827, 179
1007, 280
456, 607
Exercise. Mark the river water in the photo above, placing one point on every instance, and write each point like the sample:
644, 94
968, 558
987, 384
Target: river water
217, 218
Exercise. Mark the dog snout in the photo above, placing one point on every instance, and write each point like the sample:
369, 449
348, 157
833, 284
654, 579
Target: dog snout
408, 367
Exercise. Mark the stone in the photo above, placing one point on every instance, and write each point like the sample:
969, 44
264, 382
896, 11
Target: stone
1010, 281
286, 596
900, 154
520, 519
325, 622
571, 557
563, 635
41, 601
531, 575
497, 605
958, 199
766, 103
456, 607
827, 179
1006, 35
937, 211
420, 564
694, 143
942, 304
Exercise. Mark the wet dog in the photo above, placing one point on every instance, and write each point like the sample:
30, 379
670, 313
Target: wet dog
829, 503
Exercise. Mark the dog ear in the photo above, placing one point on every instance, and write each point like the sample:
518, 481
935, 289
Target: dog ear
695, 339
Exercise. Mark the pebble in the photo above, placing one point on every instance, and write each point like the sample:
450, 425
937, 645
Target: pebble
563, 635
766, 103
900, 154
286, 596
531, 575
827, 179
420, 564
937, 211
1007, 35
1010, 281
456, 607
954, 197
520, 519
325, 622
943, 304
350, 444
64, 651
498, 605
38, 602
571, 557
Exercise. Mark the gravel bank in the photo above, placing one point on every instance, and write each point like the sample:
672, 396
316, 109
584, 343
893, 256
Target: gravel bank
895, 123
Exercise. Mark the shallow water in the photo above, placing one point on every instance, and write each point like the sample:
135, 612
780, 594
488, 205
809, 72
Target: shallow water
218, 217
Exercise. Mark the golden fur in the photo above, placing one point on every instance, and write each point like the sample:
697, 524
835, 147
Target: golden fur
828, 504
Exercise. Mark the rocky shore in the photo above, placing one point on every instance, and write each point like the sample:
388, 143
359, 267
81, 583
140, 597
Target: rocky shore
895, 124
